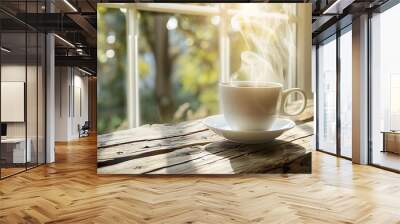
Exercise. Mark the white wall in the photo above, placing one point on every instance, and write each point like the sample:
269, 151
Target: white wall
70, 83
79, 117
62, 81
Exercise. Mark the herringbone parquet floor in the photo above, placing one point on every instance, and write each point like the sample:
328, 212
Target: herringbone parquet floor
69, 191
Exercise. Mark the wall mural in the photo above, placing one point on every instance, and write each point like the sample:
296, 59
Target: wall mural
204, 88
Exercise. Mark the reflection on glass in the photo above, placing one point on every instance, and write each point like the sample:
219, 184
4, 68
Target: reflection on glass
385, 87
178, 67
346, 94
327, 96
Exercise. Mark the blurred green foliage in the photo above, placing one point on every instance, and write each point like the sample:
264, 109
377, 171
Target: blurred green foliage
192, 52
111, 97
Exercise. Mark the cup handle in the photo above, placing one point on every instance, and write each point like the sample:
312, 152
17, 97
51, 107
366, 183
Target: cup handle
285, 95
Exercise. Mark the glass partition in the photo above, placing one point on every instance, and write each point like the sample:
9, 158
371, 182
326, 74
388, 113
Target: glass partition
23, 91
385, 89
326, 111
346, 93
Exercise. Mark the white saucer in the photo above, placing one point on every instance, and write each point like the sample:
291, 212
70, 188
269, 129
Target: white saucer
218, 125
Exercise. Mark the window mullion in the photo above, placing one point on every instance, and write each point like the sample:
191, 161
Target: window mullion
132, 87
223, 45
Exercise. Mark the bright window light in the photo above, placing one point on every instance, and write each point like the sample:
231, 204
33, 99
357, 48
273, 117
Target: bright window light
215, 20
111, 38
110, 53
172, 23
235, 24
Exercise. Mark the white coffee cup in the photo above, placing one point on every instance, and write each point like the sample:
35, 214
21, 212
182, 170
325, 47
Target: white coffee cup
250, 105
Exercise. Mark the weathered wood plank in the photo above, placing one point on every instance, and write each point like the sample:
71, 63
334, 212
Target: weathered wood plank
149, 132
240, 161
157, 146
194, 149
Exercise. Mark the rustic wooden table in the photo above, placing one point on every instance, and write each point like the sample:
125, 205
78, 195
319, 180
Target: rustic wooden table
190, 148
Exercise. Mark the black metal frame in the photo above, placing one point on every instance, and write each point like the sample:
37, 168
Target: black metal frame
316, 97
338, 98
369, 90
44, 78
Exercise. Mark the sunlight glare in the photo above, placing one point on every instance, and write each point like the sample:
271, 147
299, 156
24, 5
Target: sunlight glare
215, 20
172, 23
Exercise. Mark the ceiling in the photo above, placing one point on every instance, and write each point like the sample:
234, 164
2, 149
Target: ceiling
332, 15
76, 25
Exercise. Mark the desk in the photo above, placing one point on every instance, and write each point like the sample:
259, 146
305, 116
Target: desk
13, 150
391, 141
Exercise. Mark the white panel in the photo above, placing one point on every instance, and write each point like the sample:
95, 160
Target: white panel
360, 90
12, 101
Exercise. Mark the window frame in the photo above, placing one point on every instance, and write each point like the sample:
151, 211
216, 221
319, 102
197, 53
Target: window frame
334, 37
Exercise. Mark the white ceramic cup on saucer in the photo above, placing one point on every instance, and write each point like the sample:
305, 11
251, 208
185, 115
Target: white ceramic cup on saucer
249, 105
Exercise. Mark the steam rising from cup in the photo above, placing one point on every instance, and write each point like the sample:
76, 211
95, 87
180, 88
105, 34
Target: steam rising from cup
270, 36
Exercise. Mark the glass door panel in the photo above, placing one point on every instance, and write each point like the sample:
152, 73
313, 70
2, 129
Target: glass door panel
346, 94
327, 96
385, 89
